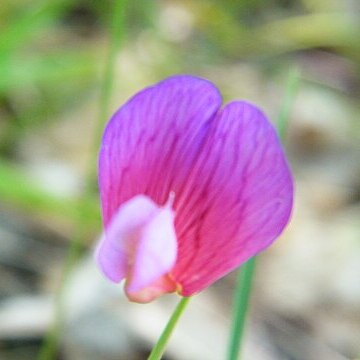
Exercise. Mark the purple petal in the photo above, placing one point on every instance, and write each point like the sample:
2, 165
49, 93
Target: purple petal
237, 201
151, 143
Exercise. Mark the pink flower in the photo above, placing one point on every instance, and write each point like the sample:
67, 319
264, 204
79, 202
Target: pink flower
189, 191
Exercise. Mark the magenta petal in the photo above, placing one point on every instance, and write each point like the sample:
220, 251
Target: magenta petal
150, 145
118, 244
237, 200
232, 185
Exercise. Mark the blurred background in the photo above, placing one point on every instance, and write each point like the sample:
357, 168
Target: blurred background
281, 54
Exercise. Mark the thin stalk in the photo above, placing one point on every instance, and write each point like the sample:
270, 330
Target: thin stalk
292, 86
50, 345
241, 302
160, 346
246, 273
117, 33
117, 27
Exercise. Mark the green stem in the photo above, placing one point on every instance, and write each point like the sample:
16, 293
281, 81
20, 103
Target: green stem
241, 301
246, 272
50, 345
117, 28
292, 86
116, 39
160, 346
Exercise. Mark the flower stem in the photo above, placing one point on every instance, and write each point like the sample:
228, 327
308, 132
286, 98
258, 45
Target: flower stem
117, 27
292, 86
117, 34
241, 301
246, 272
160, 346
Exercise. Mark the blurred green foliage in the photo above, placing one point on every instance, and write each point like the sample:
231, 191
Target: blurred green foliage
52, 54
40, 74
16, 189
